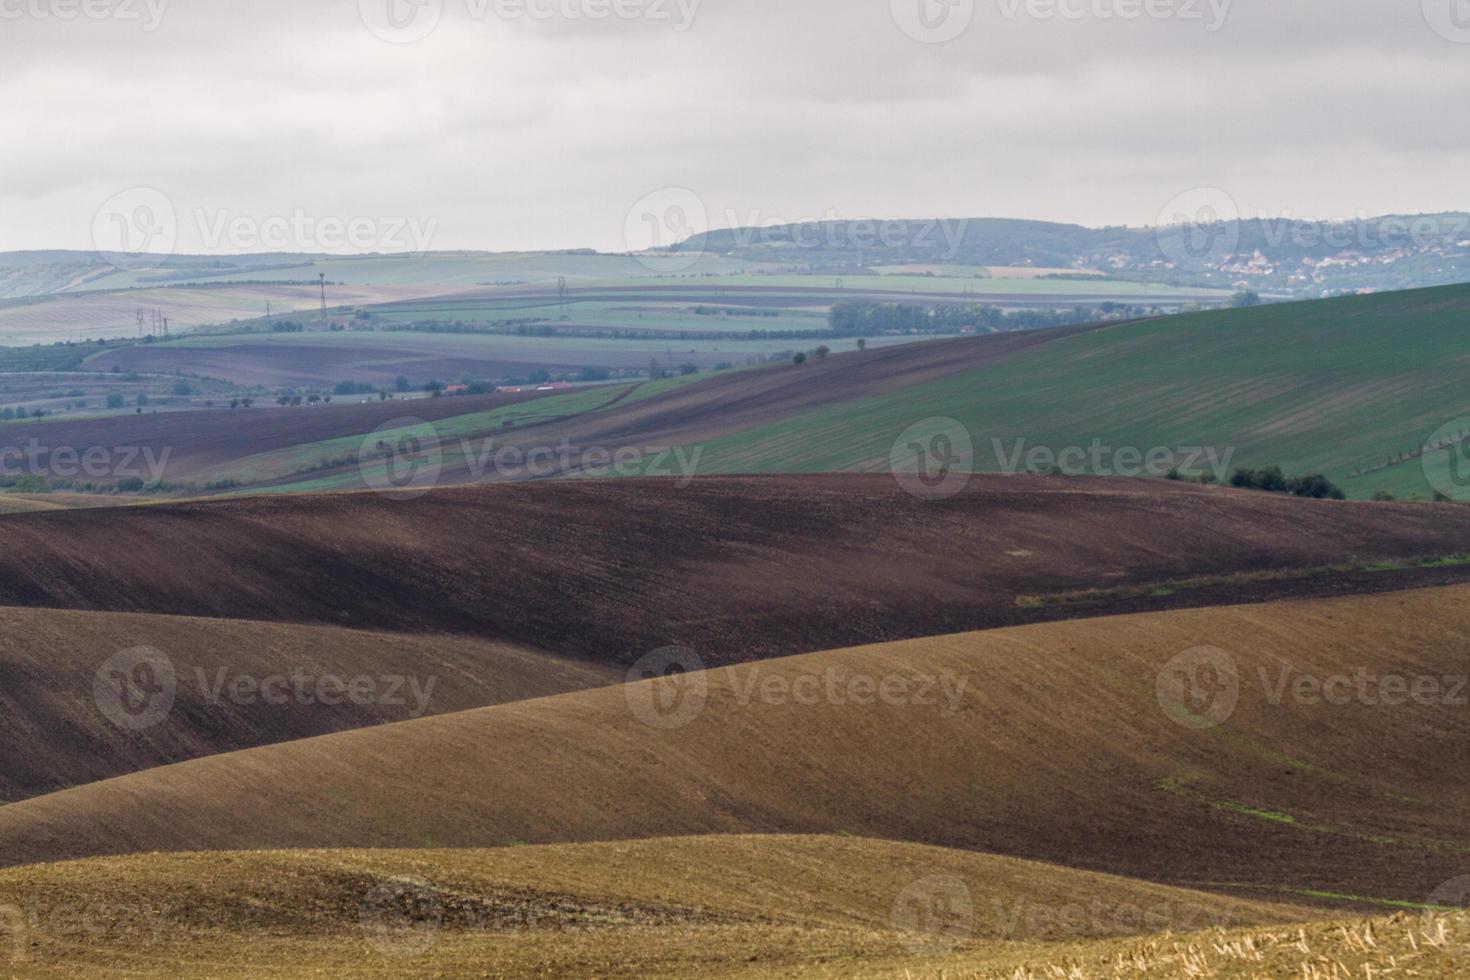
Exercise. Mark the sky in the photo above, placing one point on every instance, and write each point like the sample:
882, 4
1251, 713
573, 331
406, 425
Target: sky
408, 125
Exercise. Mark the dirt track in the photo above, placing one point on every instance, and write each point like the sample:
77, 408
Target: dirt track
737, 568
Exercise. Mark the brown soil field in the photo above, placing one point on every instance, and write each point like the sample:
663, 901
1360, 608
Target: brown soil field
53, 734
194, 441
738, 568
323, 365
1057, 742
682, 907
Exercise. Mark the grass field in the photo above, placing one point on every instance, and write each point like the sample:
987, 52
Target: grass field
709, 906
1334, 386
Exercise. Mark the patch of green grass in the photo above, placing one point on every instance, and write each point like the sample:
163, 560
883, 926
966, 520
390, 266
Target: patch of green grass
1171, 587
1253, 812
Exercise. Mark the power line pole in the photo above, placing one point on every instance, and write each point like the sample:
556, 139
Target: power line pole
322, 276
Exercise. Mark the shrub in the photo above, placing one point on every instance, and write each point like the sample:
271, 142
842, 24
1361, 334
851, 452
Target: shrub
1383, 496
798, 359
1315, 486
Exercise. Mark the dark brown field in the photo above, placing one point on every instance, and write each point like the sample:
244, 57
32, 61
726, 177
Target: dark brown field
187, 442
53, 736
737, 568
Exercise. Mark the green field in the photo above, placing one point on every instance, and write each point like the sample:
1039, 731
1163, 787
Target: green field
1336, 386
939, 284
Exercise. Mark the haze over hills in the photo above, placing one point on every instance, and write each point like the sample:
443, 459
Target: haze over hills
1208, 243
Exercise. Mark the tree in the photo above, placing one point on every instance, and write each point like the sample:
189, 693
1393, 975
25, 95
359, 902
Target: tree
1246, 297
800, 358
402, 383
862, 344
822, 352
115, 400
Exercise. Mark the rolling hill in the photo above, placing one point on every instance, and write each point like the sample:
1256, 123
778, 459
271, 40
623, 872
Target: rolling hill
772, 906
737, 568
1061, 742
234, 685
1354, 388
1338, 386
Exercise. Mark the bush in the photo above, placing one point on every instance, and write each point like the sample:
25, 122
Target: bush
1272, 480
799, 359
115, 400
1383, 496
1315, 486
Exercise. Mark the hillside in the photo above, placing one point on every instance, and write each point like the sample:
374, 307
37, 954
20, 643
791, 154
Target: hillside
1336, 386
737, 568
1053, 742
672, 907
53, 733
1353, 388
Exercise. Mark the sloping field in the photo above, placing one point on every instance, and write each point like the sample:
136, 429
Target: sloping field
230, 685
1069, 743
1336, 386
94, 315
675, 907
660, 414
738, 568
184, 443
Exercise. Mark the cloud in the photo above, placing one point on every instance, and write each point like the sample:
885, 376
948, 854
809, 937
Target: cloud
542, 132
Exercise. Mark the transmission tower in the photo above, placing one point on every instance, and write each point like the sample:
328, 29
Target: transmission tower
563, 298
322, 277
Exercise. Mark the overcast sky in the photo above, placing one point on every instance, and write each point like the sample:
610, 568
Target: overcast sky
342, 125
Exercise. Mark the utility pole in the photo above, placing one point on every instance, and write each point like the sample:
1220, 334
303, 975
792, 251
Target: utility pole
322, 277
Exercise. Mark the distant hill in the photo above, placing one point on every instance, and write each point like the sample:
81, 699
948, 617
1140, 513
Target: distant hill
1302, 258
